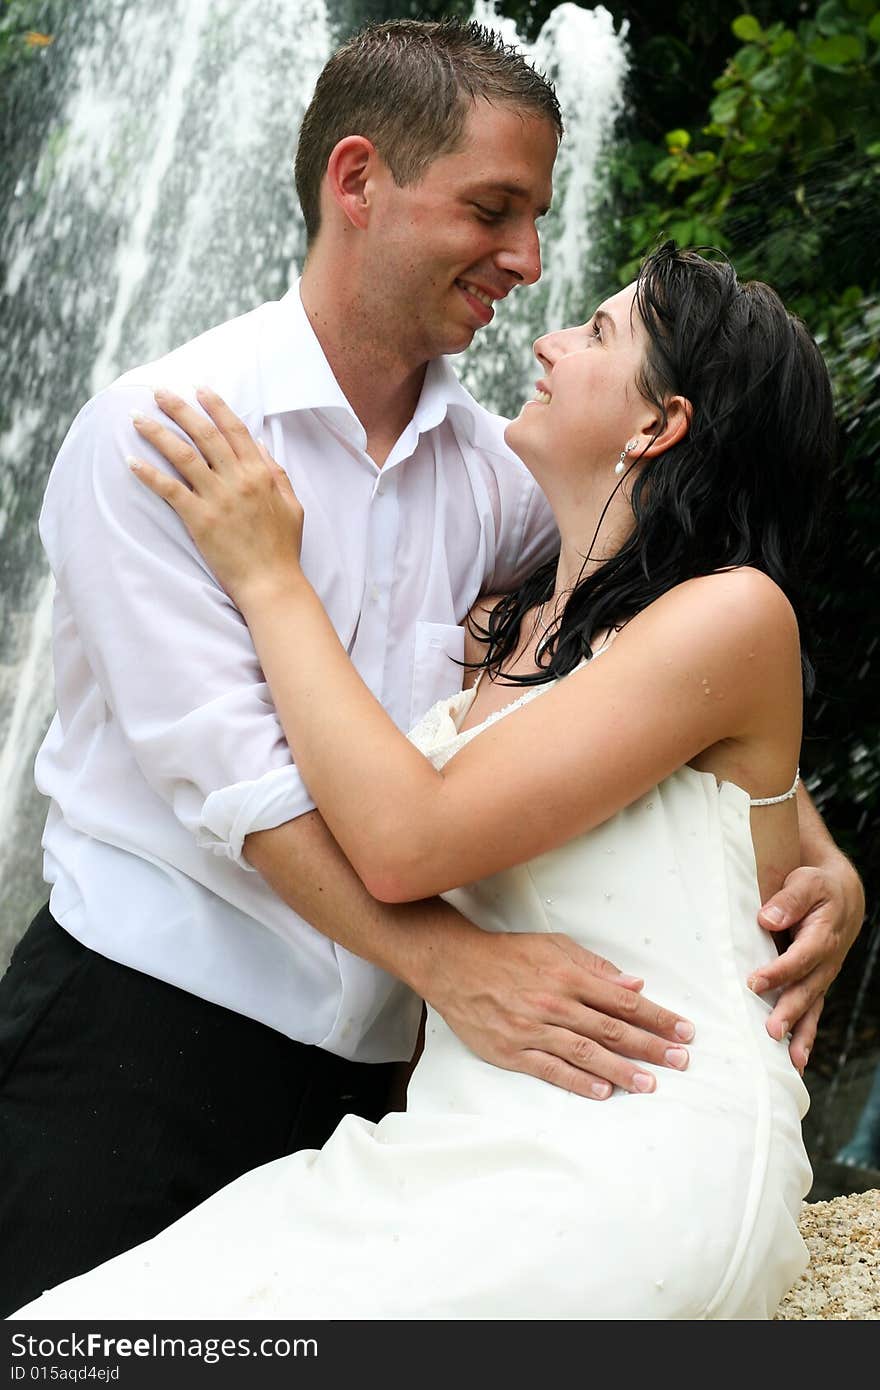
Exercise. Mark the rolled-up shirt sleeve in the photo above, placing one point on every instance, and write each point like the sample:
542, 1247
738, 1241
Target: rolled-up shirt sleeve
231, 813
168, 649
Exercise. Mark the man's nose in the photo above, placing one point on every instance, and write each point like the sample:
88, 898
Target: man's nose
521, 256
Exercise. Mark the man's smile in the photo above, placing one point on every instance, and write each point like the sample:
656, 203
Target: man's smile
480, 301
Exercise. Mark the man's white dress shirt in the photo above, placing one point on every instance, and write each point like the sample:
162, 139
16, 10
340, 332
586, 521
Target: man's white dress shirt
166, 750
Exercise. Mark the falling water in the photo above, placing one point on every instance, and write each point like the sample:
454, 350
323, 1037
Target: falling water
162, 202
586, 61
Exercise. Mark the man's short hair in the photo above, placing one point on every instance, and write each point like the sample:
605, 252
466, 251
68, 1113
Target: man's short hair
407, 86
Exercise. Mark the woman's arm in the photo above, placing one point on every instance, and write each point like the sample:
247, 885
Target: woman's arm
803, 970
675, 683
699, 666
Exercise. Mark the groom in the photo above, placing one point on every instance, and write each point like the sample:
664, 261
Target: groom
210, 986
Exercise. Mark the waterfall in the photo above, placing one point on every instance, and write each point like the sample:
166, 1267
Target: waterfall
579, 51
161, 202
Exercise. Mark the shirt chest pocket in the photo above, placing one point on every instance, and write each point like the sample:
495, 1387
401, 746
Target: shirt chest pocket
438, 647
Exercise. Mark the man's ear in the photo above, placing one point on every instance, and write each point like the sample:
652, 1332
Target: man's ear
679, 413
352, 161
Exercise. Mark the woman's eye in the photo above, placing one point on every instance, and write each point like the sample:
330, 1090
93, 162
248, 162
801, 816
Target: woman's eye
595, 330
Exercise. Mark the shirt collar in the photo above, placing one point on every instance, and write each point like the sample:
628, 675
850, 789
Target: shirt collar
295, 375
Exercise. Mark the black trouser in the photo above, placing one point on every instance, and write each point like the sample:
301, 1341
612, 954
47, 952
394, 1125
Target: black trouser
125, 1101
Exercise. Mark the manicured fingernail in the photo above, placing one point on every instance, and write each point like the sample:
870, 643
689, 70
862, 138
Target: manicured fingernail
134, 464
775, 914
601, 1090
783, 1025
757, 984
630, 981
642, 1082
204, 391
806, 1057
684, 1030
139, 419
677, 1057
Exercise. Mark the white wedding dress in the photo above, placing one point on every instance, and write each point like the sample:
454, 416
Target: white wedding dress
498, 1196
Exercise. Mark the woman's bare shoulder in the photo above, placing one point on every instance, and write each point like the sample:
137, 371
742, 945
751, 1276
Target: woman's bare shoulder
732, 608
733, 634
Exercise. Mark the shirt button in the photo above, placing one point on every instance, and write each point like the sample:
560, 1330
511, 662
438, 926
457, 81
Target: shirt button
374, 593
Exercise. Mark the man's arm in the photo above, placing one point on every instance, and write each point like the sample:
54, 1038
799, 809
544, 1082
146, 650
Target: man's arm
531, 1003
822, 904
208, 742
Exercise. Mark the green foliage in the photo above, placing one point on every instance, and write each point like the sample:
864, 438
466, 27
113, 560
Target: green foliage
792, 130
27, 36
783, 174
21, 38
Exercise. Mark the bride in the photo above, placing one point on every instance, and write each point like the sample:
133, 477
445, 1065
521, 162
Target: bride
623, 770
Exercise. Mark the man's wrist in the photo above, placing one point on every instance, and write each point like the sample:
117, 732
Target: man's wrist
437, 934
854, 891
842, 869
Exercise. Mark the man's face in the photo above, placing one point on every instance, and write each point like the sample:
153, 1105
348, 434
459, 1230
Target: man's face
464, 234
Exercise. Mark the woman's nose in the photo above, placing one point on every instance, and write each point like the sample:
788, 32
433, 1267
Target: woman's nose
550, 347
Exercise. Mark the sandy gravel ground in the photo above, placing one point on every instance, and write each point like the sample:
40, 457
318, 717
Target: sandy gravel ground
843, 1280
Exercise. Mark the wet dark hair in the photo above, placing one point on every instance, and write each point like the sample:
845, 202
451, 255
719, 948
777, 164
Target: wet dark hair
408, 85
745, 484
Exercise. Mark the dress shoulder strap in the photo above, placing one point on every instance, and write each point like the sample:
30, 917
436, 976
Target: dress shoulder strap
776, 800
476, 685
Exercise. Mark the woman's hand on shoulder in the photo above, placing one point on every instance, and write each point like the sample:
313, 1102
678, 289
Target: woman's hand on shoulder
236, 503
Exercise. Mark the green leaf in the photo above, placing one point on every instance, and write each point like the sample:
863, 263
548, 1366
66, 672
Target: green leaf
829, 18
665, 169
747, 28
768, 80
873, 150
705, 234
782, 45
748, 60
678, 139
725, 107
687, 172
837, 51
747, 170
682, 231
874, 29
818, 132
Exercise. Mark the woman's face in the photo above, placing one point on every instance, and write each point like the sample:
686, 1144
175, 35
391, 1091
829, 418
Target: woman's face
587, 406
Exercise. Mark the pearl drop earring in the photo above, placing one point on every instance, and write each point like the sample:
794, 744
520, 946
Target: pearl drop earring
621, 462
